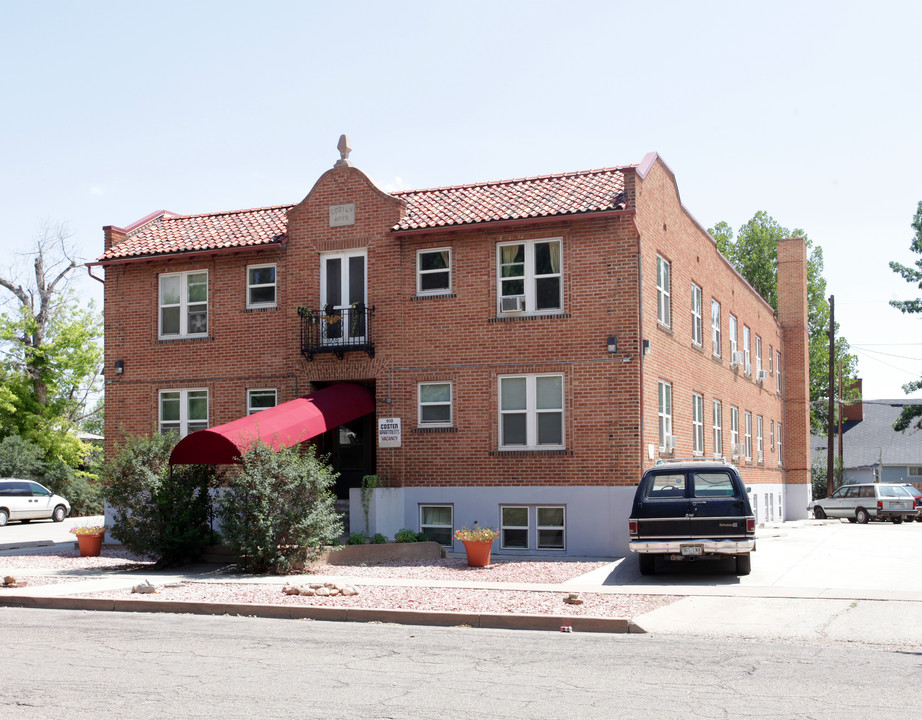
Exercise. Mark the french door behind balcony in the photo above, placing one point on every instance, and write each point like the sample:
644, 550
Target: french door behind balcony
343, 298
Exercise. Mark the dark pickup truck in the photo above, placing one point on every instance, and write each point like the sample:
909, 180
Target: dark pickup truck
692, 510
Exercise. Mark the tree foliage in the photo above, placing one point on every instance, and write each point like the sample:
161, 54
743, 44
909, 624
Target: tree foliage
911, 413
278, 510
159, 512
50, 354
754, 253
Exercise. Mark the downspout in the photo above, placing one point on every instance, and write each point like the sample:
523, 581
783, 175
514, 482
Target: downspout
89, 270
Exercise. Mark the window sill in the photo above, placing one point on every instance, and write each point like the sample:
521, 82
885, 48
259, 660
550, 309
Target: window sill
523, 317
186, 338
447, 295
438, 429
260, 308
529, 452
665, 328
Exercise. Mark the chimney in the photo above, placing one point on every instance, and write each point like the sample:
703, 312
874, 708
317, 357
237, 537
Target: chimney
795, 359
113, 236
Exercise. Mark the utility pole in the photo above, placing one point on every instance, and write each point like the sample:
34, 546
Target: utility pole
839, 414
830, 421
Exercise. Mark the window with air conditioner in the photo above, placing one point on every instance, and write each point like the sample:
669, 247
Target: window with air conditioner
530, 278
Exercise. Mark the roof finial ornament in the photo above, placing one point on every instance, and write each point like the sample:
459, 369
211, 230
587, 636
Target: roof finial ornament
344, 150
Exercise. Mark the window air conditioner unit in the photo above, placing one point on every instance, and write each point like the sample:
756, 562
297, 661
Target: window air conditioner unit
738, 450
749, 368
761, 458
669, 441
761, 375
736, 358
515, 303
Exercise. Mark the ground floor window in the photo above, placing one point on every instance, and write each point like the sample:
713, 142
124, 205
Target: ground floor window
527, 526
435, 522
261, 399
183, 411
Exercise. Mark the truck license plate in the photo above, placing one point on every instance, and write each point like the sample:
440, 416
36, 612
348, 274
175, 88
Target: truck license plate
692, 550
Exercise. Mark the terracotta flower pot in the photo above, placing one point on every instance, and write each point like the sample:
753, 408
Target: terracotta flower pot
478, 552
90, 545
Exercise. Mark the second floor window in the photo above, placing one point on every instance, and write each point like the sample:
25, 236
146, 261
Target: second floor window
748, 436
666, 440
184, 304
718, 430
663, 293
530, 279
732, 332
697, 320
735, 431
531, 411
747, 358
697, 424
261, 399
715, 327
433, 271
261, 286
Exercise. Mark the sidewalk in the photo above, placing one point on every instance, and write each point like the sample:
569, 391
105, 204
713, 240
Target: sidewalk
772, 603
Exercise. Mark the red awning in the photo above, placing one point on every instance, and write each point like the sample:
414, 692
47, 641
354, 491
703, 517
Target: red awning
281, 426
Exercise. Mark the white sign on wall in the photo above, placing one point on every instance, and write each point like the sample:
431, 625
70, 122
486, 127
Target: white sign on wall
389, 432
342, 215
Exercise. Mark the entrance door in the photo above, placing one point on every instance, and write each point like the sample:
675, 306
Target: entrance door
343, 297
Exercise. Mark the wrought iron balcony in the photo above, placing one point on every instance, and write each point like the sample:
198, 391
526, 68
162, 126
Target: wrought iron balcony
336, 330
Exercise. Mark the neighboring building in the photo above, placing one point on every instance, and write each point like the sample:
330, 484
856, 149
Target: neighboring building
538, 341
872, 451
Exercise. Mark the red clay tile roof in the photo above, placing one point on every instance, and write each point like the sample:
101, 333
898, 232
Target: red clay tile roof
171, 233
543, 196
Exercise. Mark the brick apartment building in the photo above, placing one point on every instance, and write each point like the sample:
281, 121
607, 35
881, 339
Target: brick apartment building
512, 353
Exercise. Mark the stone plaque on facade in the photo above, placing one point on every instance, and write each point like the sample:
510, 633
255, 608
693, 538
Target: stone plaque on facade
342, 215
389, 432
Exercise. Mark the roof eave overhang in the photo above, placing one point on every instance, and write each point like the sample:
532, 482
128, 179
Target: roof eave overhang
497, 224
275, 244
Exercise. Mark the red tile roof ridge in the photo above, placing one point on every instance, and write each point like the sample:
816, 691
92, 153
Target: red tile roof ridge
513, 181
180, 216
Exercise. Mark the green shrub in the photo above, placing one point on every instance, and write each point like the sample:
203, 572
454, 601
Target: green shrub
378, 539
159, 512
278, 510
406, 536
84, 495
356, 538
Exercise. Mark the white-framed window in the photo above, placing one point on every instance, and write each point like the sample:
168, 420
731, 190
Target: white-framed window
551, 527
260, 399
771, 434
735, 431
343, 296
663, 292
436, 523
718, 430
748, 436
696, 317
433, 271
715, 328
915, 470
183, 411
780, 454
530, 276
261, 289
760, 444
778, 371
758, 354
665, 414
771, 364
184, 304
531, 411
732, 332
516, 522
435, 403
747, 354
514, 527
697, 424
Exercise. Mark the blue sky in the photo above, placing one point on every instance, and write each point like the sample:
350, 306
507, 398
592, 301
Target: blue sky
807, 110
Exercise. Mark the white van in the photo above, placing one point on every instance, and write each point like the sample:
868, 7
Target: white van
26, 500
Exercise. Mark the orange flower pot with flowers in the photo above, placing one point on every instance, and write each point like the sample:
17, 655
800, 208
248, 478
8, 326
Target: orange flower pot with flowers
89, 539
478, 543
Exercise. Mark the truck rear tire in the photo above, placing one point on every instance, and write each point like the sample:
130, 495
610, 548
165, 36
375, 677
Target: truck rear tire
743, 564
645, 560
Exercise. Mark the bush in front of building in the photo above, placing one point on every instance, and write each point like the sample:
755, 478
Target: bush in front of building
159, 512
278, 511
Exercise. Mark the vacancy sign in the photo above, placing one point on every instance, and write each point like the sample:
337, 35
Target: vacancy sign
389, 432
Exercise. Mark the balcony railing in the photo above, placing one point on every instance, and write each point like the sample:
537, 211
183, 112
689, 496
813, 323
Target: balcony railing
336, 330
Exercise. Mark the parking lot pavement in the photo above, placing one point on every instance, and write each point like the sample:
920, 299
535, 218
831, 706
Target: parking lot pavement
42, 533
804, 559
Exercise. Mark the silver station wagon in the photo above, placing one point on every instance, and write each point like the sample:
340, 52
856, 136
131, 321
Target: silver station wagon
27, 500
867, 501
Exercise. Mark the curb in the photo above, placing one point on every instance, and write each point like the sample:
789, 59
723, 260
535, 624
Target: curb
561, 623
